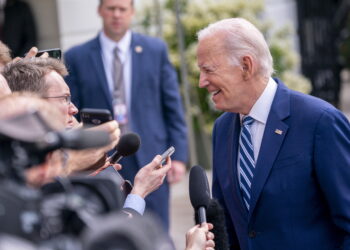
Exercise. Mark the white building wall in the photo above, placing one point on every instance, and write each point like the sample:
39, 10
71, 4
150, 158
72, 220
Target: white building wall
78, 21
45, 14
282, 13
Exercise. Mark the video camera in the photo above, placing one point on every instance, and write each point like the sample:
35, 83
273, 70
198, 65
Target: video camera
70, 213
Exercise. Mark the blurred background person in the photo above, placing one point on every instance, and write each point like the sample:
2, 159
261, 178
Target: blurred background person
130, 74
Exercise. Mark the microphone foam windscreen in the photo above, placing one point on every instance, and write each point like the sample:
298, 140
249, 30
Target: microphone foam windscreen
216, 216
199, 188
128, 144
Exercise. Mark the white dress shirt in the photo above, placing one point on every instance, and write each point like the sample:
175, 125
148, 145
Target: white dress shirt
107, 47
260, 112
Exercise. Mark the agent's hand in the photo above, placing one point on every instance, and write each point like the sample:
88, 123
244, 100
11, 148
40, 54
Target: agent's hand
199, 237
177, 172
150, 177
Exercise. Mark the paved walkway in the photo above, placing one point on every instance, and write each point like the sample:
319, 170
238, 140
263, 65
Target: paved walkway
182, 214
181, 209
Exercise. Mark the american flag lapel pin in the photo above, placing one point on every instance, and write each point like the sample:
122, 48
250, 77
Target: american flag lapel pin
278, 131
138, 49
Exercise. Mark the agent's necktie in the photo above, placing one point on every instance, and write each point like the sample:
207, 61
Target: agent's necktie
119, 100
246, 160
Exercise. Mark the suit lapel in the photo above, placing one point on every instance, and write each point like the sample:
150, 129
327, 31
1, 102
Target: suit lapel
137, 51
274, 134
96, 57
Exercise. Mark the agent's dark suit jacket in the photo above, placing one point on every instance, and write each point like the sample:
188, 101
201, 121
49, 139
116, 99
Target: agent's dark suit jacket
300, 196
156, 110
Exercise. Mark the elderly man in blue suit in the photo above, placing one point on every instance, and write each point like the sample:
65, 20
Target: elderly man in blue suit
130, 74
281, 165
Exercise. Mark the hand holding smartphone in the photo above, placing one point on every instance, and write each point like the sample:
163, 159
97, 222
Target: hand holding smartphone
53, 53
167, 153
94, 117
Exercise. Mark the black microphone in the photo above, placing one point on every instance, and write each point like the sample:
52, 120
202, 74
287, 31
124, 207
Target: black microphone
216, 216
199, 192
127, 145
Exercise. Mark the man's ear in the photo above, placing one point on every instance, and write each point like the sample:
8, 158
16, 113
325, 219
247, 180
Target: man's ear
247, 67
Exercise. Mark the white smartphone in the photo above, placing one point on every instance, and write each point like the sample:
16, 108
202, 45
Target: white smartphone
167, 153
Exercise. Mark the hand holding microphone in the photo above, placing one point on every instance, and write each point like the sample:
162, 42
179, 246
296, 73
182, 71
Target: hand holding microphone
127, 145
206, 208
199, 236
199, 192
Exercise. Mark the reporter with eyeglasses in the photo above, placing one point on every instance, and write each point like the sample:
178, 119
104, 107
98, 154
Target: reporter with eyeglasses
44, 77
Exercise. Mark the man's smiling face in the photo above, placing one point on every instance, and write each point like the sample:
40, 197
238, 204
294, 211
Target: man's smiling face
219, 76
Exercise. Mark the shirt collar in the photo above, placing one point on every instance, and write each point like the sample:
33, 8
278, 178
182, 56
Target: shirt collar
261, 109
109, 45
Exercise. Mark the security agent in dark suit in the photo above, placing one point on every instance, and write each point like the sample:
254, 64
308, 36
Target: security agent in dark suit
149, 102
281, 159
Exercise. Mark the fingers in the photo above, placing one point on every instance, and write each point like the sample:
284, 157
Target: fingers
44, 55
116, 166
31, 53
205, 226
16, 59
210, 236
109, 127
112, 128
164, 169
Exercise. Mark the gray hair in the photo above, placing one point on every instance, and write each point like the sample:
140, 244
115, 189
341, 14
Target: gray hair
241, 38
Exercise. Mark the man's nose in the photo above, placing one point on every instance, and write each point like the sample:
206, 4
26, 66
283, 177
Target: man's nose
203, 82
116, 13
72, 109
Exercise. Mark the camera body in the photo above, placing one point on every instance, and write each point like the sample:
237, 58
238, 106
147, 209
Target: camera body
55, 215
75, 213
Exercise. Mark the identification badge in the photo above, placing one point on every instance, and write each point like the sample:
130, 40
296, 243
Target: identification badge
120, 113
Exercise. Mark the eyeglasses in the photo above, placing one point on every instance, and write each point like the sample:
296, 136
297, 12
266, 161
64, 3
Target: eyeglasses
67, 98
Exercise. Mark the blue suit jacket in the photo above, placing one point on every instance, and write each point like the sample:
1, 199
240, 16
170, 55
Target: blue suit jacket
156, 108
300, 196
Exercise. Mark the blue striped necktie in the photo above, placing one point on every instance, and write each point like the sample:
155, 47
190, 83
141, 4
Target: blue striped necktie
246, 160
